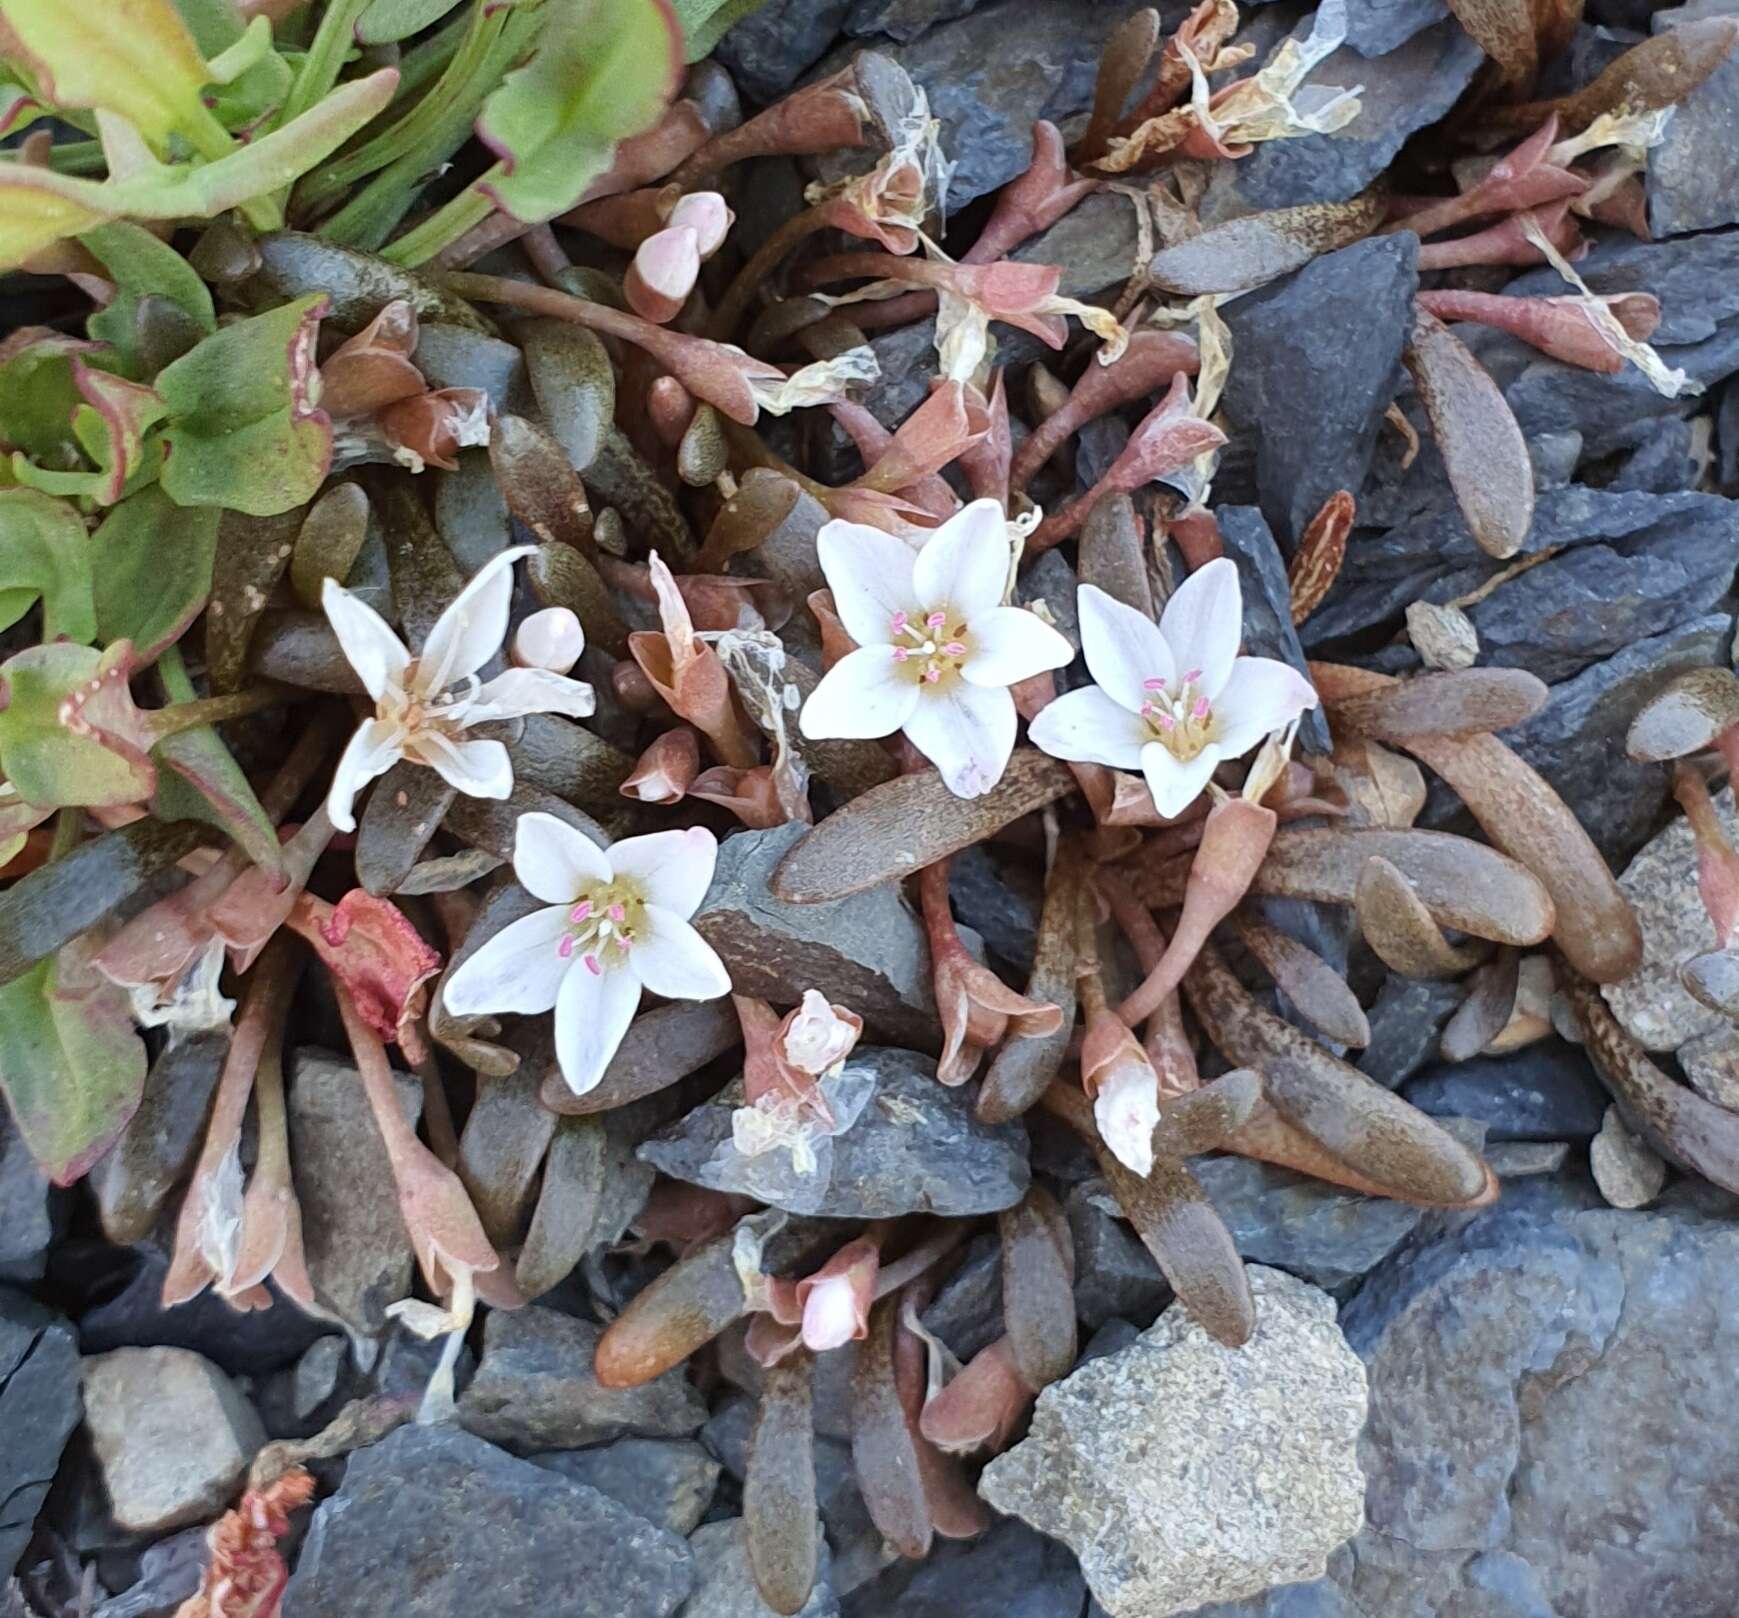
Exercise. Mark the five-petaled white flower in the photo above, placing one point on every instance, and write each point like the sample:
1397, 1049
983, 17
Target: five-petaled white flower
617, 921
423, 705
937, 649
1173, 699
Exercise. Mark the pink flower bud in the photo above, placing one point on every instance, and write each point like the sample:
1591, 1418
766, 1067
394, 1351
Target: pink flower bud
836, 1299
707, 215
551, 639
666, 769
663, 273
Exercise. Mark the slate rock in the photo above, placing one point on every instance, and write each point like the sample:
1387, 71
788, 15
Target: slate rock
1663, 462
832, 1397
915, 1148
1323, 1233
1375, 27
1115, 1276
1405, 89
769, 50
1546, 1091
1711, 1066
1316, 362
169, 1573
1009, 1572
359, 1253
535, 1388
1406, 1019
1629, 1172
1577, 1419
1268, 630
1514, 1159
434, 1523
989, 75
966, 1312
902, 20
999, 905
172, 1435
866, 952
39, 1407
1094, 244
25, 1225
1178, 1468
668, 1481
724, 1586
1693, 175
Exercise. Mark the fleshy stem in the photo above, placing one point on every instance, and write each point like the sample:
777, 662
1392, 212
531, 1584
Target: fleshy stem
761, 264
190, 714
324, 61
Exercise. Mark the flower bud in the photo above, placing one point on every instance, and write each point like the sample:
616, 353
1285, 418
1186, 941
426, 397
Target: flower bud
663, 274
550, 639
707, 215
818, 1037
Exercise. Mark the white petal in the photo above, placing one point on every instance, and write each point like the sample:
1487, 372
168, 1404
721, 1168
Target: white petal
964, 564
519, 969
967, 732
1204, 622
870, 575
673, 869
673, 960
1010, 644
829, 1314
368, 643
479, 769
370, 752
1087, 727
865, 694
593, 1011
522, 691
554, 862
1176, 786
1261, 695
1123, 647
1126, 1110
471, 630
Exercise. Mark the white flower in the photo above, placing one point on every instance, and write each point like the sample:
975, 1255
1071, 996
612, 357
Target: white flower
1171, 700
831, 1313
937, 649
1126, 1109
617, 920
423, 705
818, 1039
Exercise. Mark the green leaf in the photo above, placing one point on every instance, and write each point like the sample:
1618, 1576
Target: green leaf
386, 21
38, 395
244, 431
110, 426
151, 564
71, 1063
602, 70
141, 265
242, 100
45, 552
704, 22
69, 733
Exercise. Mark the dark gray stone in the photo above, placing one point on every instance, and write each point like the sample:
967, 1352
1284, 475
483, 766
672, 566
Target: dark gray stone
915, 1148
1115, 1276
1094, 244
25, 1226
1406, 1019
866, 952
725, 1586
1577, 740
1324, 1233
1316, 362
989, 74
668, 1481
1375, 27
966, 1312
1268, 629
1693, 175
39, 1407
434, 1523
1405, 90
902, 20
169, 1572
1000, 904
1545, 1092
1010, 1572
769, 50
1662, 463
535, 1389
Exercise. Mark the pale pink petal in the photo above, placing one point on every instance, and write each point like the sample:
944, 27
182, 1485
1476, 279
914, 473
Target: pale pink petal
1176, 786
554, 862
1261, 695
673, 960
673, 869
967, 732
1087, 727
870, 575
551, 638
1123, 647
1204, 622
370, 752
369, 645
471, 630
479, 769
530, 690
864, 695
593, 1011
1011, 644
963, 566
706, 214
520, 969
830, 1314
1126, 1110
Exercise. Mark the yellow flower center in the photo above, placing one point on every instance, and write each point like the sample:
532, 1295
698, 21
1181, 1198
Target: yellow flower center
602, 925
931, 648
1182, 722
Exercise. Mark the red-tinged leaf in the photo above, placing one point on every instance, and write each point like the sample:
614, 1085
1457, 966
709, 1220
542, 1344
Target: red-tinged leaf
45, 554
369, 945
151, 565
69, 733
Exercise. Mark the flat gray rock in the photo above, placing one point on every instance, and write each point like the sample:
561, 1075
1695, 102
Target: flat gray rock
434, 1523
1546, 1091
725, 1587
39, 1407
1009, 1572
668, 1481
1693, 175
25, 1225
915, 1147
535, 1388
